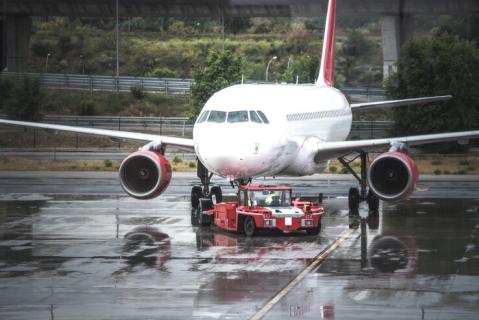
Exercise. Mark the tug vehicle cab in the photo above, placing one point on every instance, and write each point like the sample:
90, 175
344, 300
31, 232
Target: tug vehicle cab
266, 207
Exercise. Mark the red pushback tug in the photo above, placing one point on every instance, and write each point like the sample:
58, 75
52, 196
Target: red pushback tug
264, 207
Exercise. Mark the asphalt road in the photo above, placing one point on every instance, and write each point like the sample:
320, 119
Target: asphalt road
72, 246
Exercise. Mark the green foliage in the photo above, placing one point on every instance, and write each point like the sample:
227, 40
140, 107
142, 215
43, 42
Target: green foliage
87, 108
138, 92
108, 163
356, 59
7, 87
437, 172
437, 65
161, 73
306, 68
177, 159
25, 100
221, 70
192, 164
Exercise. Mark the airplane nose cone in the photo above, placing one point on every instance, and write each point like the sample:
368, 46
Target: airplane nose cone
232, 152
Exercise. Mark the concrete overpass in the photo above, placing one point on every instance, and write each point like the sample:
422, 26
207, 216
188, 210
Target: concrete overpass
397, 26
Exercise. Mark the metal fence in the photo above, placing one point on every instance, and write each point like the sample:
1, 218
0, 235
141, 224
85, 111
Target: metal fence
182, 126
166, 85
106, 83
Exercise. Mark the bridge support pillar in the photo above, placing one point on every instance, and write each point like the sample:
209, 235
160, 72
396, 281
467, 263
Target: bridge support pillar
15, 39
395, 31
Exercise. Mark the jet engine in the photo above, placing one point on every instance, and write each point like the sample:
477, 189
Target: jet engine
145, 174
392, 176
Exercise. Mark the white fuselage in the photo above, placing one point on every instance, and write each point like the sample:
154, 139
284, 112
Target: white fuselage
300, 118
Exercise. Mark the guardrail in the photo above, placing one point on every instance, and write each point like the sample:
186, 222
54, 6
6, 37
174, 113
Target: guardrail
166, 85
107, 83
182, 126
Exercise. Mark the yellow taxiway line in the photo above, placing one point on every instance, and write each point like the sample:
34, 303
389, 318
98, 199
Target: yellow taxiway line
317, 261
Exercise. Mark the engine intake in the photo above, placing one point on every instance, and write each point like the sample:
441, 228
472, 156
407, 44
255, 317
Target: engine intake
392, 176
145, 174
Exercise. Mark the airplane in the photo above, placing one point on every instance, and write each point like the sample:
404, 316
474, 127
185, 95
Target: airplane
247, 131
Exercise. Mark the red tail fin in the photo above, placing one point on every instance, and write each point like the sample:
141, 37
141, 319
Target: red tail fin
326, 71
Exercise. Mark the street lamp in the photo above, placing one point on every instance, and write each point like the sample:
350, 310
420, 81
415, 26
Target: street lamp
46, 62
267, 66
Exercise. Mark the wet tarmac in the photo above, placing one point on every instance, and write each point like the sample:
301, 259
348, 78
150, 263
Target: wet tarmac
72, 246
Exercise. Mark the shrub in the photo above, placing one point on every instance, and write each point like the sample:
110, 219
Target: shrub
192, 164
177, 159
437, 172
333, 169
436, 162
344, 171
447, 172
470, 168
87, 108
138, 92
108, 163
464, 162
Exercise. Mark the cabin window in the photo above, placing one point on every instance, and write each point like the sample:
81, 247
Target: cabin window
238, 116
263, 116
203, 117
254, 117
217, 116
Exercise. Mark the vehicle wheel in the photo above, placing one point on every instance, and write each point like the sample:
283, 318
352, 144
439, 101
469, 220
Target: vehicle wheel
373, 202
314, 231
354, 199
249, 226
216, 191
196, 194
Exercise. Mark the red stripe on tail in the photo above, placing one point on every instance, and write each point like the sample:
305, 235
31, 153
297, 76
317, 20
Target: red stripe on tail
326, 71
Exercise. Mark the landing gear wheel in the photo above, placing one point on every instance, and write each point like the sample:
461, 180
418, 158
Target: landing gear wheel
373, 203
205, 204
216, 191
314, 231
249, 226
196, 194
194, 218
354, 198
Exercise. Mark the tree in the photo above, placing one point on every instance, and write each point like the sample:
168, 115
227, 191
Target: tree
437, 65
221, 70
306, 68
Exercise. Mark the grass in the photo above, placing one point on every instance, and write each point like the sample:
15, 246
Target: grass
20, 164
451, 165
448, 165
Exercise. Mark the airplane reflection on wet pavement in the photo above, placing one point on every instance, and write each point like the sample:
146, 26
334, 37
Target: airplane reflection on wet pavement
111, 257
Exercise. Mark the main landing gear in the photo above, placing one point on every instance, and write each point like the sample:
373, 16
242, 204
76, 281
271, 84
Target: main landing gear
202, 197
356, 196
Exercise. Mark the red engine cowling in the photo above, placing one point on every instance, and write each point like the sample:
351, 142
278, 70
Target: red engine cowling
392, 176
145, 174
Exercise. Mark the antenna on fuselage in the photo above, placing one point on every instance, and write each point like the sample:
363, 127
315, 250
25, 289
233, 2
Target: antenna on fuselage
326, 70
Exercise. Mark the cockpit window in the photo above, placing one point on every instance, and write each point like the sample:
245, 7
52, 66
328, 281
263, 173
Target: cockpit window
238, 116
254, 117
217, 116
203, 117
263, 116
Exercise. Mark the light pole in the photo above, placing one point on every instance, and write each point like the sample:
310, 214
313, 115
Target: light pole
267, 66
46, 62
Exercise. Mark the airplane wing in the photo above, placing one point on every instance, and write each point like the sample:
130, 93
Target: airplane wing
181, 143
397, 103
333, 148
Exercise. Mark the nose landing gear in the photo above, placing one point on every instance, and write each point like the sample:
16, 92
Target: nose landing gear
202, 197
